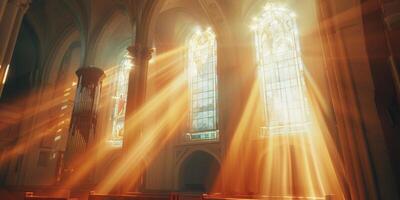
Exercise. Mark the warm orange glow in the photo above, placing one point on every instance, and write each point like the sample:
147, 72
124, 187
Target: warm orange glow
45, 106
152, 139
148, 142
168, 55
293, 165
84, 164
290, 164
231, 172
42, 130
164, 62
284, 165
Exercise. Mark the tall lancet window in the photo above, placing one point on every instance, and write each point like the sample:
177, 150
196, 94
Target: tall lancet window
119, 99
202, 62
281, 71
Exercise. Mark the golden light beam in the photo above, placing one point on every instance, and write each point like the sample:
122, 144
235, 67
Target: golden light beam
144, 147
35, 136
170, 54
295, 165
162, 70
57, 95
153, 104
241, 134
170, 133
89, 162
85, 163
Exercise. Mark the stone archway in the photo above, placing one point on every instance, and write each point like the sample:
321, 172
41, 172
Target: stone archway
198, 172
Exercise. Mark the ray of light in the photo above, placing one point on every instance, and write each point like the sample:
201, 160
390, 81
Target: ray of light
132, 123
294, 165
161, 71
169, 54
86, 161
147, 145
237, 148
28, 143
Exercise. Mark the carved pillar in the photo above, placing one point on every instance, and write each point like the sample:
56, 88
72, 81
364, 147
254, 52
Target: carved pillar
137, 85
136, 97
10, 22
82, 130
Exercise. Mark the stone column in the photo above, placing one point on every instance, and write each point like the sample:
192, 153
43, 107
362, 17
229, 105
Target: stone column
136, 98
11, 15
137, 85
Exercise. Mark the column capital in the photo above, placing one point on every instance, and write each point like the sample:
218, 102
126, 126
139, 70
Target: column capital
138, 50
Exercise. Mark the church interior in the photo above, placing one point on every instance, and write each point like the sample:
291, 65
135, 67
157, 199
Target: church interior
200, 99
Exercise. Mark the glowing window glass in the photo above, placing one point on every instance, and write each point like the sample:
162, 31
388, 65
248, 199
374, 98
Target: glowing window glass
202, 61
119, 98
280, 71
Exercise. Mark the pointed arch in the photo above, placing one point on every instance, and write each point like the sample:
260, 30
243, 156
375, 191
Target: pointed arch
202, 76
280, 71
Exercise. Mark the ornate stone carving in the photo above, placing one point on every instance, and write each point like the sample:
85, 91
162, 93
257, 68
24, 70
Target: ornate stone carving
138, 51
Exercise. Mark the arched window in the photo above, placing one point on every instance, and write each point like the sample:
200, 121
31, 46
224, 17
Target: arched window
202, 61
119, 98
280, 71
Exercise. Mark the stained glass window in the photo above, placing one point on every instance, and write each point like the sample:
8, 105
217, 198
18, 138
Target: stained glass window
119, 98
202, 61
281, 71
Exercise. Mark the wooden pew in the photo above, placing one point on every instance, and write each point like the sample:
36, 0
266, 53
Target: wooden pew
44, 198
32, 196
139, 196
147, 196
262, 197
192, 196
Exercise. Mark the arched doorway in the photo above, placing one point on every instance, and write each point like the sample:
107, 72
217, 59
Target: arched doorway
198, 172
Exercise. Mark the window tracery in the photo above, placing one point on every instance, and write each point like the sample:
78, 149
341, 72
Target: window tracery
202, 61
281, 71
